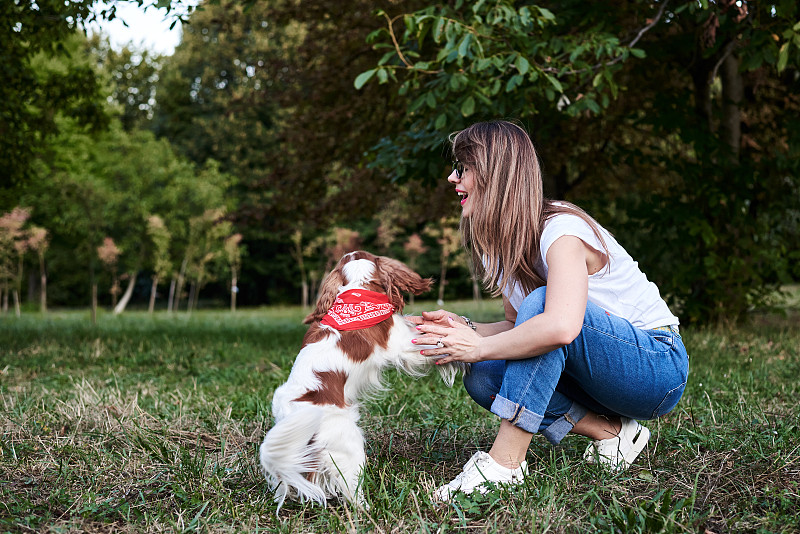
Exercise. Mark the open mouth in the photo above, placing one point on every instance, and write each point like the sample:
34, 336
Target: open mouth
463, 195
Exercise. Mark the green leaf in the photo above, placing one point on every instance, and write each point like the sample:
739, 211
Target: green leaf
592, 105
547, 14
522, 65
453, 83
363, 78
468, 106
463, 47
437, 32
555, 83
441, 121
513, 82
638, 52
783, 57
430, 99
383, 75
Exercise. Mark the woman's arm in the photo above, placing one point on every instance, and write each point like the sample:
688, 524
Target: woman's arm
442, 318
558, 325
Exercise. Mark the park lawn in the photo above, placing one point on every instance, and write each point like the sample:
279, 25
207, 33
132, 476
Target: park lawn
152, 424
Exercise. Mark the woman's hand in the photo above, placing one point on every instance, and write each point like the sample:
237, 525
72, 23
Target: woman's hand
438, 317
456, 342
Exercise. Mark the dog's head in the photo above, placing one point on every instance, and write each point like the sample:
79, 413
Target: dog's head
361, 269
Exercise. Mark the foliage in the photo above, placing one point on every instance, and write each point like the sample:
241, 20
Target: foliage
131, 78
160, 238
31, 97
151, 423
659, 116
459, 63
15, 240
677, 118
205, 253
109, 185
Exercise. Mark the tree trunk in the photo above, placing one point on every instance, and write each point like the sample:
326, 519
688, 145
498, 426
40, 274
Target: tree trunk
442, 282
476, 288
5, 299
114, 290
18, 289
31, 296
43, 282
94, 303
198, 285
17, 309
126, 297
234, 290
730, 131
181, 281
153, 289
93, 281
190, 300
171, 297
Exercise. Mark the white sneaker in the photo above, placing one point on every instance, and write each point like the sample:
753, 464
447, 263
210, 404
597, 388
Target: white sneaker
479, 470
619, 452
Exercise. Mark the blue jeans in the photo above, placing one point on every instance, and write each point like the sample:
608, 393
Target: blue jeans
612, 368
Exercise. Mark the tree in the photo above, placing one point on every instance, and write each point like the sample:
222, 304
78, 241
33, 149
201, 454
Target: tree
109, 254
233, 255
39, 242
268, 93
32, 97
447, 236
205, 245
132, 77
677, 155
161, 262
13, 244
414, 248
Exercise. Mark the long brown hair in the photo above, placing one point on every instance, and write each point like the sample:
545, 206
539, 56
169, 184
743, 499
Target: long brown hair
504, 230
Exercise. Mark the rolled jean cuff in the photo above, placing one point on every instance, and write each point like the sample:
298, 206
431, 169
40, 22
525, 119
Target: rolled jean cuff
561, 426
516, 414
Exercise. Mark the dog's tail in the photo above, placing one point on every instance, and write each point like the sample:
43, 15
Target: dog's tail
290, 456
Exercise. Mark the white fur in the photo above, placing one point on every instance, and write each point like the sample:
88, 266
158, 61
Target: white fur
314, 452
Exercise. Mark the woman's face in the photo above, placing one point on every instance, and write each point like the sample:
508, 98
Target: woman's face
464, 179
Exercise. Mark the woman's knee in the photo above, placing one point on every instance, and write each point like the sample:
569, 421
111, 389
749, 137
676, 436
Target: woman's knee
483, 381
532, 306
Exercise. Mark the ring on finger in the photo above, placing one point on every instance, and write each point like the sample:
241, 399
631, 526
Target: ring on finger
440, 343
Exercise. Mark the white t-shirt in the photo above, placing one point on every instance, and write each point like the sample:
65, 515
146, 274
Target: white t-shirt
620, 288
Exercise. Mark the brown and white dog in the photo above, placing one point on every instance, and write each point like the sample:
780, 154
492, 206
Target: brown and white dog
315, 450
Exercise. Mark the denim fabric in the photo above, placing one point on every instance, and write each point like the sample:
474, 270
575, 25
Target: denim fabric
611, 368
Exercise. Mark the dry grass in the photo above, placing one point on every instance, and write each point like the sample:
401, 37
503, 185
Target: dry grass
151, 425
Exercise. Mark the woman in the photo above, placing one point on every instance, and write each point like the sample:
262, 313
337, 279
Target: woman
588, 345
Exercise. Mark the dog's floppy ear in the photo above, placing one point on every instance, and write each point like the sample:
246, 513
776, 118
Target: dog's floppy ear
327, 294
397, 278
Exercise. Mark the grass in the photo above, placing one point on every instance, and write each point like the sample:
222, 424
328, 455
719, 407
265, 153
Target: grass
148, 424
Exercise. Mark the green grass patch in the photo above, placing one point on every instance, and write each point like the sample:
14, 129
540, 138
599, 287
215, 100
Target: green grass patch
152, 423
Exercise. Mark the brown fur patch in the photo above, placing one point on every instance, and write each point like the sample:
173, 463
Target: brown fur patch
359, 344
315, 333
397, 278
330, 391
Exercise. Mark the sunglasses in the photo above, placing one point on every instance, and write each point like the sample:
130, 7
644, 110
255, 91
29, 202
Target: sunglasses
459, 168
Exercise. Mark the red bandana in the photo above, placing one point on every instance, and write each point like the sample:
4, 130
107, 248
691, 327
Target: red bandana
358, 308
